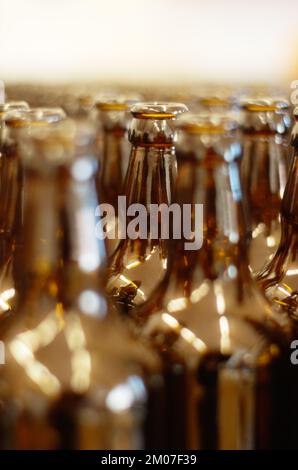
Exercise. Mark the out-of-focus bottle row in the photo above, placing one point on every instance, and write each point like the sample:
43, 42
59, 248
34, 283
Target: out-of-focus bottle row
148, 268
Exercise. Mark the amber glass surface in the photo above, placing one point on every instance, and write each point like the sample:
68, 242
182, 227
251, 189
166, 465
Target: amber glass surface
138, 265
114, 117
280, 277
264, 172
18, 119
8, 170
215, 331
114, 149
74, 377
216, 99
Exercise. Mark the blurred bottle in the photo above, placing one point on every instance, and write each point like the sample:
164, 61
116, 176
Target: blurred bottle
114, 149
85, 106
194, 182
264, 172
280, 277
11, 106
140, 261
216, 99
74, 378
178, 95
211, 314
17, 119
7, 167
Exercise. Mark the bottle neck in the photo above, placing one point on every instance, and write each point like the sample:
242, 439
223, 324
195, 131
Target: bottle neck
289, 209
83, 248
37, 258
11, 183
114, 164
287, 250
289, 219
206, 178
283, 264
264, 165
149, 183
61, 236
151, 176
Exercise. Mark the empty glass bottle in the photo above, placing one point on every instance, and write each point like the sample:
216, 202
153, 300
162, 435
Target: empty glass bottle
280, 277
140, 261
211, 315
114, 149
7, 166
264, 171
74, 377
11, 106
216, 99
17, 120
114, 118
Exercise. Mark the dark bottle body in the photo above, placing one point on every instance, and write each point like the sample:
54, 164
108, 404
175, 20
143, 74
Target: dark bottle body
211, 314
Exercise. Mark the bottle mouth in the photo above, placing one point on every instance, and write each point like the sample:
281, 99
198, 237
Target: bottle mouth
158, 110
59, 143
216, 101
86, 100
209, 123
13, 106
116, 103
112, 106
264, 104
16, 118
265, 116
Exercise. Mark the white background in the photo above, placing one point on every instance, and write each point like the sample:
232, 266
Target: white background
149, 40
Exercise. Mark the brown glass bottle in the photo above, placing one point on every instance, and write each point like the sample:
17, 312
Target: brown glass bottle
139, 263
216, 99
264, 172
114, 150
211, 314
8, 172
74, 377
8, 194
18, 119
279, 278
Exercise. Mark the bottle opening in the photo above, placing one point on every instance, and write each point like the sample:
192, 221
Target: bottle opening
33, 117
158, 110
264, 104
113, 106
208, 123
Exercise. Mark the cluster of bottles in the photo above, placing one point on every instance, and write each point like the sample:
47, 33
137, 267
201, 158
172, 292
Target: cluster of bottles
141, 342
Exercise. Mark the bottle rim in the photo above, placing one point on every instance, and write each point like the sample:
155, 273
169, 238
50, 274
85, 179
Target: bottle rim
209, 122
116, 102
59, 143
13, 106
264, 104
33, 117
158, 110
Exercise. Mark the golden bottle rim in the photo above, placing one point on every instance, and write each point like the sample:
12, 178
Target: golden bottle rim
209, 123
33, 117
106, 106
158, 110
264, 104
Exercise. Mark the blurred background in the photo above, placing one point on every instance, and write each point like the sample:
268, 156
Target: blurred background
170, 41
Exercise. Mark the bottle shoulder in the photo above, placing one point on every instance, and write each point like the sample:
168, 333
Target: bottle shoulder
217, 319
134, 274
62, 352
